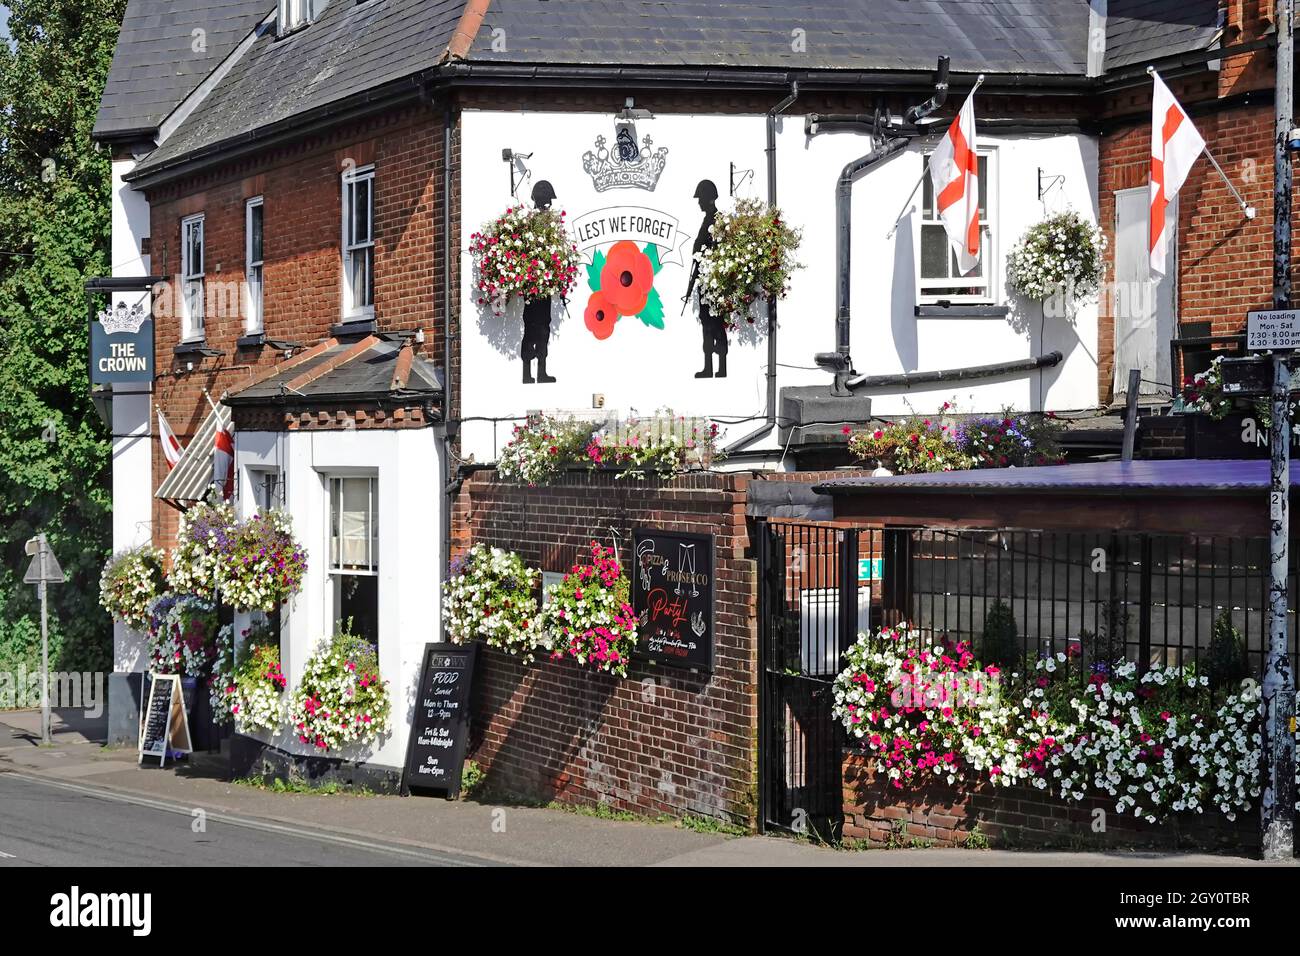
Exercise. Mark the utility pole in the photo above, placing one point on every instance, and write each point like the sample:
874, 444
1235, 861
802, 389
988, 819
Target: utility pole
1277, 729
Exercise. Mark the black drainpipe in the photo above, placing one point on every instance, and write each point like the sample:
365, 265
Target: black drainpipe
448, 389
839, 362
770, 421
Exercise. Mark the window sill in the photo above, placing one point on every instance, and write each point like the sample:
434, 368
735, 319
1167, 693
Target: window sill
253, 340
962, 311
359, 325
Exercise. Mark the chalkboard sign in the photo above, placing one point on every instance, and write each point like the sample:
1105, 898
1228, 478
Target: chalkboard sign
672, 594
164, 724
440, 726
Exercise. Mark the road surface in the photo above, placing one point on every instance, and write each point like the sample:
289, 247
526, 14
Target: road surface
48, 824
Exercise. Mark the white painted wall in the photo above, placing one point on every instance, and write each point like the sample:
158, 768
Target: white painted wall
133, 441
640, 368
406, 463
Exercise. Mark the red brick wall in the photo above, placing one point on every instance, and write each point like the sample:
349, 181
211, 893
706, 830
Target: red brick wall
1224, 260
1019, 816
661, 741
302, 299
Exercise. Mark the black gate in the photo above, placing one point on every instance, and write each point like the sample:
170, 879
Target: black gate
814, 598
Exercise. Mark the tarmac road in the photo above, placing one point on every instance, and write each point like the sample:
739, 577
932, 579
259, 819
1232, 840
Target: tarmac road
51, 825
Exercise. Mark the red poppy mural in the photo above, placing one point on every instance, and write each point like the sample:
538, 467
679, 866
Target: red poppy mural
600, 315
627, 278
622, 283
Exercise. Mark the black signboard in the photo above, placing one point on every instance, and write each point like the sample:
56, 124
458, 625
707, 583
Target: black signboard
164, 724
672, 594
121, 341
440, 726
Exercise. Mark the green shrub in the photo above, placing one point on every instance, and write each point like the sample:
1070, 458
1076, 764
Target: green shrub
1000, 641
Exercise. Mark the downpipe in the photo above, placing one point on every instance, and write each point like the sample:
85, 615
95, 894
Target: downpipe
840, 363
770, 421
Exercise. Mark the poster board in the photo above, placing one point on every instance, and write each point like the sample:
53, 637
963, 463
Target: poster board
672, 595
164, 724
435, 754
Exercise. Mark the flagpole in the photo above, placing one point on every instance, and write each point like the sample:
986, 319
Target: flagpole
1247, 210
979, 81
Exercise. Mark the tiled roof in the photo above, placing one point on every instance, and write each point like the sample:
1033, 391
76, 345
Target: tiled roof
1141, 30
164, 51
352, 48
369, 370
999, 36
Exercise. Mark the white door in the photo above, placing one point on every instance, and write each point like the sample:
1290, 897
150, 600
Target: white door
1143, 309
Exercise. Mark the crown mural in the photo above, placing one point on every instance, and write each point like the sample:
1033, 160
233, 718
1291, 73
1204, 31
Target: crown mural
626, 166
123, 318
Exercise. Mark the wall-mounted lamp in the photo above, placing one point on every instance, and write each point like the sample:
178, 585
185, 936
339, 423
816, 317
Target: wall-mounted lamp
511, 157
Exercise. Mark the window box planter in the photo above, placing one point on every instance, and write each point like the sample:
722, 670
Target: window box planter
1207, 438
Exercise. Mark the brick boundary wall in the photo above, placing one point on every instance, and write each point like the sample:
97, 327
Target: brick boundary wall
1018, 816
661, 740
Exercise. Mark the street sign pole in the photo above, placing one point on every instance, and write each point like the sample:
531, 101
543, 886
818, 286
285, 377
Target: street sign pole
45, 649
43, 571
1277, 809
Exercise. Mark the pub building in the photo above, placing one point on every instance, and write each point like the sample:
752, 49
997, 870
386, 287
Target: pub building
300, 193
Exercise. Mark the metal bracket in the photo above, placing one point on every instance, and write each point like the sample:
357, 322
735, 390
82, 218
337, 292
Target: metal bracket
1052, 183
737, 183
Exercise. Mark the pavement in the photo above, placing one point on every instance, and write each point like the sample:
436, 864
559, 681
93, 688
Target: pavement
79, 803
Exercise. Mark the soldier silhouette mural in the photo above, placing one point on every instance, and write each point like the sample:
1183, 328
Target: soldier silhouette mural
713, 327
537, 312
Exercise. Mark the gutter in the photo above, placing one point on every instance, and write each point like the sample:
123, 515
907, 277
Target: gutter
869, 383
770, 423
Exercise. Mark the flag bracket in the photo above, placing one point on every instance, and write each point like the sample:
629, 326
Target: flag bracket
1247, 210
1052, 182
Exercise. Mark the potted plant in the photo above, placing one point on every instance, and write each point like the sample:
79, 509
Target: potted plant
252, 691
751, 258
342, 699
526, 253
587, 615
130, 582
1061, 259
261, 564
664, 446
491, 596
201, 543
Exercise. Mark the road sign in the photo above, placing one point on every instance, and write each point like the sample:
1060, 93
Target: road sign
53, 573
1273, 329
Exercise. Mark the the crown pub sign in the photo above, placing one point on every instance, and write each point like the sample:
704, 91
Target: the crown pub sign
121, 342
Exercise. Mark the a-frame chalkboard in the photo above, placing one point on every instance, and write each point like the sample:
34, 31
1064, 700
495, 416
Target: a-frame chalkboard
164, 724
440, 724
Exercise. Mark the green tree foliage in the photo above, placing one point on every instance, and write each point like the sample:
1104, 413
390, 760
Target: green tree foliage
54, 233
1000, 639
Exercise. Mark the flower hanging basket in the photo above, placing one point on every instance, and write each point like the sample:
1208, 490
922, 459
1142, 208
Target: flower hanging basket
492, 596
1064, 255
524, 252
752, 258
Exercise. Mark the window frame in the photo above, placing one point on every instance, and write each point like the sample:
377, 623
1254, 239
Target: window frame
254, 297
294, 15
928, 290
350, 248
335, 480
193, 307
